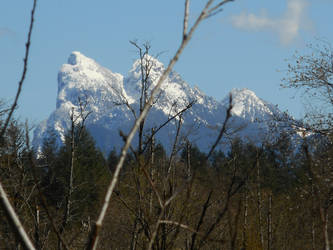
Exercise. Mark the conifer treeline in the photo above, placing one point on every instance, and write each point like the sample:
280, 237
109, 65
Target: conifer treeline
267, 197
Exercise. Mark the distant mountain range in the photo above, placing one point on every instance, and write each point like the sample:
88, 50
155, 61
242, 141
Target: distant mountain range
253, 119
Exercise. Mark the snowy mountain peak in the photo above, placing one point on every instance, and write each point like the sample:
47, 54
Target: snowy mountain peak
174, 90
149, 62
249, 106
108, 92
82, 75
77, 57
151, 67
78, 62
242, 93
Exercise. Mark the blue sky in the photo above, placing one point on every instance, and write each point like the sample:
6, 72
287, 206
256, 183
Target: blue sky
246, 45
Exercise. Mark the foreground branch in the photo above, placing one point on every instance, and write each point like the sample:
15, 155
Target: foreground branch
14, 220
223, 129
5, 204
94, 236
25, 69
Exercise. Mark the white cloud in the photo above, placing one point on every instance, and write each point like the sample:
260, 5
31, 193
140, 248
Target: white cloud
287, 26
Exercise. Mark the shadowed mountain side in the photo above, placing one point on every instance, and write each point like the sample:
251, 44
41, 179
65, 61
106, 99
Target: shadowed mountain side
106, 94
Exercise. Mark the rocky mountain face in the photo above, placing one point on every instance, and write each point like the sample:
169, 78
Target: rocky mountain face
112, 100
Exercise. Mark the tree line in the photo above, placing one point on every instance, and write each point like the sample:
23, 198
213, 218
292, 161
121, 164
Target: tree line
252, 197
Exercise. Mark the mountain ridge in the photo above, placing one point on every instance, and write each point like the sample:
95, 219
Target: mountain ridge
109, 96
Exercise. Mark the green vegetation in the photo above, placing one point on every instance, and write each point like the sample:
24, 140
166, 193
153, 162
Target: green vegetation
250, 198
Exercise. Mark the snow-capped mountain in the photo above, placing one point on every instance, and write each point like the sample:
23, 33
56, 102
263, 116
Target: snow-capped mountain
113, 103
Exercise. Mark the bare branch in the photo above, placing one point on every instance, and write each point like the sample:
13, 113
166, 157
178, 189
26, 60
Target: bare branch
25, 69
159, 220
230, 193
217, 8
179, 225
223, 129
10, 212
14, 220
41, 195
173, 151
154, 188
186, 14
124, 101
203, 213
167, 121
153, 237
94, 236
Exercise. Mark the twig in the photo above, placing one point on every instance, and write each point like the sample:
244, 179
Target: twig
187, 9
14, 220
94, 236
223, 129
230, 193
179, 225
173, 151
204, 210
217, 8
154, 188
40, 192
179, 113
25, 68
10, 212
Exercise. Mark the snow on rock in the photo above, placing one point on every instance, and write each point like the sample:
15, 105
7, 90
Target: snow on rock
109, 94
173, 89
250, 107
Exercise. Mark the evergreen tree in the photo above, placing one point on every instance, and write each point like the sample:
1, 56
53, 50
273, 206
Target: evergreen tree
197, 157
90, 172
89, 176
112, 159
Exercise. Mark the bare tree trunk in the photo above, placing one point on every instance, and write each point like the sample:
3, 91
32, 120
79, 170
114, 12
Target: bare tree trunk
316, 191
229, 217
233, 224
244, 244
188, 158
152, 170
324, 219
70, 181
140, 151
313, 229
313, 235
134, 236
259, 201
201, 220
211, 8
269, 222
163, 227
37, 235
70, 187
171, 169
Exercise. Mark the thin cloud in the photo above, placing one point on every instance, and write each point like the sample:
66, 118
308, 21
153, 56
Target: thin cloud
287, 26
